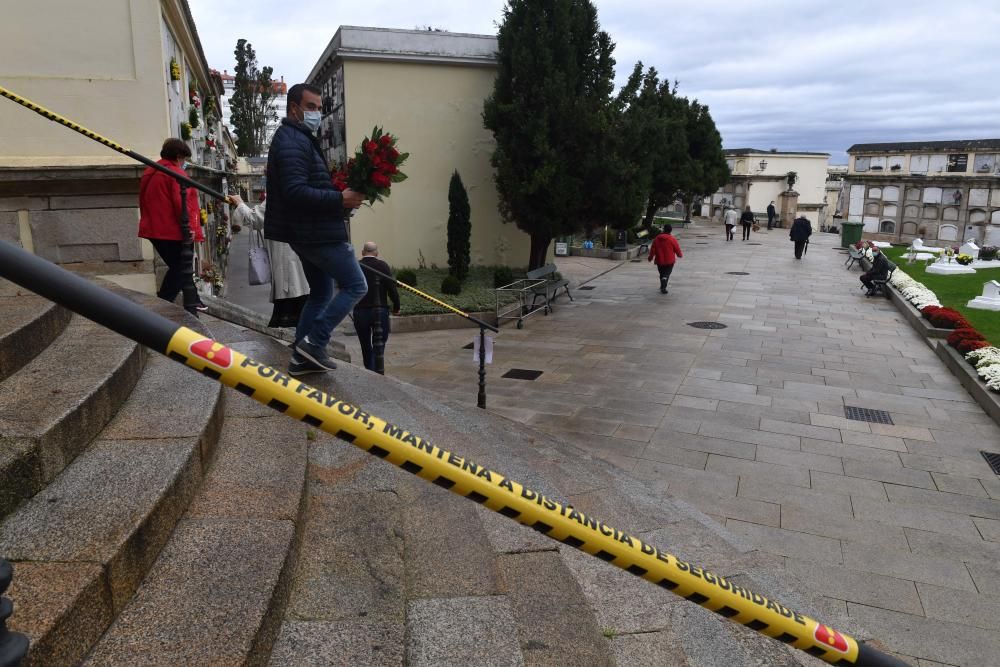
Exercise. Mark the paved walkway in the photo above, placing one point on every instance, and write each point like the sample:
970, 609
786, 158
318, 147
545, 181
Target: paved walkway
897, 524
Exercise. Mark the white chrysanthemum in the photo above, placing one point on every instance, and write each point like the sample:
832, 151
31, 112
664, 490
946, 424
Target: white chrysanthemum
991, 374
984, 357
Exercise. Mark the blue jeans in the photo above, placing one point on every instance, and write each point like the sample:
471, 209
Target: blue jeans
324, 265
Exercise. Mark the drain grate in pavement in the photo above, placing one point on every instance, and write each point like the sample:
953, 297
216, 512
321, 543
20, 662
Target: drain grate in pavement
707, 325
993, 459
737, 273
470, 346
867, 415
753, 244
636, 261
521, 374
588, 287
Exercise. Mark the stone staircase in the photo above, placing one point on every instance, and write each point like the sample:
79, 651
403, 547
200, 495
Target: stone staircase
154, 518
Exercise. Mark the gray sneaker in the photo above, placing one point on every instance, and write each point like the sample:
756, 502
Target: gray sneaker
315, 354
299, 366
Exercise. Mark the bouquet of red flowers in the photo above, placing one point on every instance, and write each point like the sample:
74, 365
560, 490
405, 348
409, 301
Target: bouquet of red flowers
374, 167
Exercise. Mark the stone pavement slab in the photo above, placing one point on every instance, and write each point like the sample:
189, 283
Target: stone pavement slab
748, 424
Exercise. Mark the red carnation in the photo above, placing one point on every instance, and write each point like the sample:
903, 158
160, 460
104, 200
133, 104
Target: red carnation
369, 147
393, 154
380, 180
385, 140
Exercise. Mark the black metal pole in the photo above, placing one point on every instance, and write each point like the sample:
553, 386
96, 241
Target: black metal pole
13, 645
481, 401
187, 254
378, 341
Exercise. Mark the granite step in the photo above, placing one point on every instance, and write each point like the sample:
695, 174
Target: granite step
217, 592
58, 402
85, 541
28, 325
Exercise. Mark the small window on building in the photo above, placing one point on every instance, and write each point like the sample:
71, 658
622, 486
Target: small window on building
918, 164
951, 196
887, 227
731, 164
861, 164
958, 162
896, 162
985, 164
877, 164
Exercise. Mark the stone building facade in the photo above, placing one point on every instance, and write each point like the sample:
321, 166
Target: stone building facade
758, 177
942, 191
131, 70
428, 88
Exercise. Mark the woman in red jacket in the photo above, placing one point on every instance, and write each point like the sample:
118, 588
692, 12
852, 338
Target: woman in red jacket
665, 250
159, 221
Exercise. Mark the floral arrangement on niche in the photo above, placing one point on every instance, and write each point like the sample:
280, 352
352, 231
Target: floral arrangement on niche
193, 118
963, 259
175, 70
988, 252
185, 131
987, 363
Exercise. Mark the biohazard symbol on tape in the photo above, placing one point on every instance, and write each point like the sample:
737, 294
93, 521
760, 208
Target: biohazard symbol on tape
212, 352
830, 637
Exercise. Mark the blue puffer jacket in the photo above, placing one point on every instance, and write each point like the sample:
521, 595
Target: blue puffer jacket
302, 204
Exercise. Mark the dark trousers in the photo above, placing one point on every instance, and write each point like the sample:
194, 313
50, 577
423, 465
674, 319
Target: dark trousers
729, 232
363, 320
746, 231
799, 247
664, 270
179, 278
867, 279
770, 221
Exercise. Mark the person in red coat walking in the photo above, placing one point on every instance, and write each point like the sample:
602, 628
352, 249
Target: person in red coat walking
159, 221
665, 250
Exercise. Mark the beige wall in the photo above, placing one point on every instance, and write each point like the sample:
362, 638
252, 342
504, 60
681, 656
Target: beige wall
101, 68
436, 111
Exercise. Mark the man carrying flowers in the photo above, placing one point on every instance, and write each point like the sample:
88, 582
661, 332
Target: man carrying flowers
305, 210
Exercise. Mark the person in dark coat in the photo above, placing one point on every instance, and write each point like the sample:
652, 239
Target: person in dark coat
307, 212
159, 221
772, 213
374, 305
800, 232
746, 220
879, 271
665, 250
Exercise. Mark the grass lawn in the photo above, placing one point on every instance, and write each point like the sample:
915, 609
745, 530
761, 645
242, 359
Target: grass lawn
477, 292
955, 292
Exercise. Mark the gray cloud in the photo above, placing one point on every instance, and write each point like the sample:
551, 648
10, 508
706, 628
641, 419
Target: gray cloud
804, 75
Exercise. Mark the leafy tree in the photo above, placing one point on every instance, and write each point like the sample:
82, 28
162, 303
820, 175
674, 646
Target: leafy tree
708, 170
549, 115
459, 228
251, 105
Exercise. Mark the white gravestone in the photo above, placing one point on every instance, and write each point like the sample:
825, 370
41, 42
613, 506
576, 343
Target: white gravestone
947, 266
918, 246
990, 300
969, 248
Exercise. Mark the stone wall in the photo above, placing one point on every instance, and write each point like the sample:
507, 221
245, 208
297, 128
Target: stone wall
73, 215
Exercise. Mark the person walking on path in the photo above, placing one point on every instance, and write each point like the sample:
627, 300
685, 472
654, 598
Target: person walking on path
289, 288
730, 220
799, 233
772, 213
374, 305
306, 211
665, 250
747, 221
159, 221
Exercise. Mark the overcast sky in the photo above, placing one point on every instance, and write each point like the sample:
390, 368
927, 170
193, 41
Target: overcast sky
809, 75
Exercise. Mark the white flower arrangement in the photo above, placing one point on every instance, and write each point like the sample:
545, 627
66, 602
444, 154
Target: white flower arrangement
983, 357
991, 375
914, 292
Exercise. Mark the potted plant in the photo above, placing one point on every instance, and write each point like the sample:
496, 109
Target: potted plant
988, 253
175, 74
185, 131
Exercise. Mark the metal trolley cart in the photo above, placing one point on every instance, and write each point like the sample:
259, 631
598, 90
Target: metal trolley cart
521, 306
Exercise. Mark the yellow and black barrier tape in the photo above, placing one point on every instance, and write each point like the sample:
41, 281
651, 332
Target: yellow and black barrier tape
436, 302
53, 116
557, 521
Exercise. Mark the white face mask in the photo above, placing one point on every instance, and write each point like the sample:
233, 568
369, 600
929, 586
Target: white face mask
184, 165
311, 119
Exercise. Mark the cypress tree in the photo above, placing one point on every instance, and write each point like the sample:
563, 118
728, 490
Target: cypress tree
459, 228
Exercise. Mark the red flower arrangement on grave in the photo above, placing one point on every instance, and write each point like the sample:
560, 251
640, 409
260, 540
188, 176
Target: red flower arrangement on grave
374, 167
945, 318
